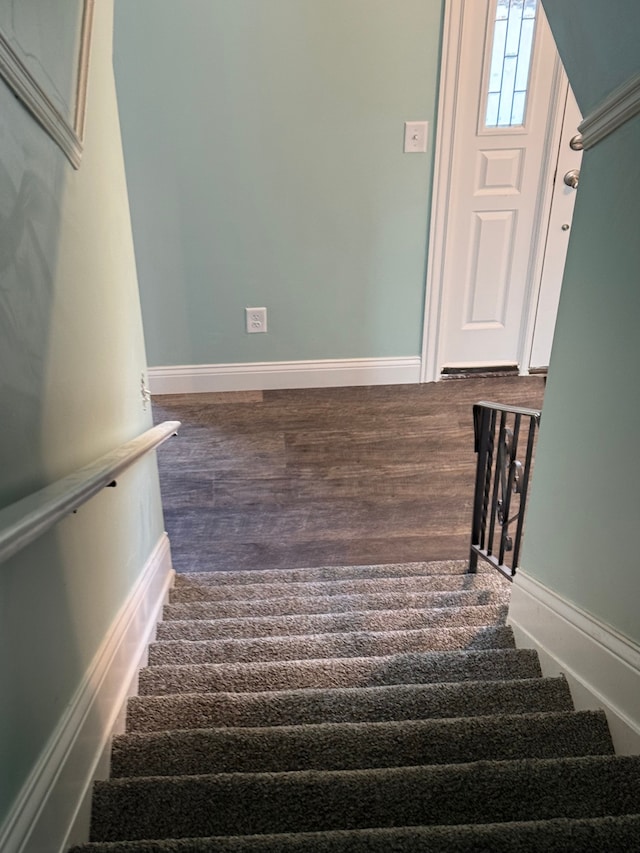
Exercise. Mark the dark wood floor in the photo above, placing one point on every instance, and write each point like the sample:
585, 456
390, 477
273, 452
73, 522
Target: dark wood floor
325, 476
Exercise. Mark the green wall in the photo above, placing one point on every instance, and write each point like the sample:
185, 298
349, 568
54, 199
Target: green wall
598, 42
263, 146
72, 353
583, 517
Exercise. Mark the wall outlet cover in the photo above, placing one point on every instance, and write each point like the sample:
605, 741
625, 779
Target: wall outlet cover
256, 319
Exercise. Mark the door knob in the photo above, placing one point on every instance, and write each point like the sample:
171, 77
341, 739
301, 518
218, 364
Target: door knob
576, 142
572, 177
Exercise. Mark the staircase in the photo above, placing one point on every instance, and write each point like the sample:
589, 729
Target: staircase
376, 708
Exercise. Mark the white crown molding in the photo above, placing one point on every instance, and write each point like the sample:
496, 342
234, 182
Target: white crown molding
270, 375
616, 109
601, 665
52, 810
67, 136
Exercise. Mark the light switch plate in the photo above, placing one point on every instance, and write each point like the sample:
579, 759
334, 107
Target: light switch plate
415, 137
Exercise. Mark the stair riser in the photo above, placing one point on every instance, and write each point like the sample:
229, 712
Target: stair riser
262, 803
361, 745
412, 702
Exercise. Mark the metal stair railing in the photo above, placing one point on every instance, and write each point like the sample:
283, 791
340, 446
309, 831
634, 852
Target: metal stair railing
502, 483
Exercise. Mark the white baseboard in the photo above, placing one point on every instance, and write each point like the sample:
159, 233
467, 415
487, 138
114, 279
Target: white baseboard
270, 375
52, 810
601, 665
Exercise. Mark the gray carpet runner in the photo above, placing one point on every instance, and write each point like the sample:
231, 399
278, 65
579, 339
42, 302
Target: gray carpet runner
370, 709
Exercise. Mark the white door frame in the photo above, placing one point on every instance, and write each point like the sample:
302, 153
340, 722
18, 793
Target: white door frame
431, 360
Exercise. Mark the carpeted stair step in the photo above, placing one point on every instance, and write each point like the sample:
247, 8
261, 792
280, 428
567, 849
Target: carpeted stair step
558, 835
415, 668
308, 801
324, 573
289, 606
324, 623
354, 704
339, 645
199, 588
366, 709
352, 746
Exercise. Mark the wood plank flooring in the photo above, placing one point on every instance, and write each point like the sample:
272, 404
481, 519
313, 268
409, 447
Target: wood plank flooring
326, 476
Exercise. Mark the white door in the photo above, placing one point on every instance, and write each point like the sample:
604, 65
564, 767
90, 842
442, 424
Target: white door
502, 95
563, 201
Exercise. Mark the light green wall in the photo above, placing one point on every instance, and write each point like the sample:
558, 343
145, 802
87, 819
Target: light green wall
584, 513
72, 353
263, 145
598, 41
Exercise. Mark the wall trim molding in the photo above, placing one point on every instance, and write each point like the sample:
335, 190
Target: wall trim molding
614, 111
275, 375
68, 136
601, 665
52, 810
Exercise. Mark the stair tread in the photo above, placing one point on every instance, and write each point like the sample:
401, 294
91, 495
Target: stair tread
323, 573
556, 835
337, 645
320, 623
342, 746
346, 602
415, 667
210, 592
351, 704
312, 800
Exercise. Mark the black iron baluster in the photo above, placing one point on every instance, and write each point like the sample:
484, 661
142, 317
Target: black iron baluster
524, 489
492, 415
500, 475
484, 423
508, 487
496, 482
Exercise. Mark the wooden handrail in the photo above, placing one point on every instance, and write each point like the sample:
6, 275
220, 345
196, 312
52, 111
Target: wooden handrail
25, 520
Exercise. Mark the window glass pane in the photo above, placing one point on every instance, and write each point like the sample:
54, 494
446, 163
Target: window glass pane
507, 91
524, 55
493, 103
510, 62
497, 56
517, 112
502, 10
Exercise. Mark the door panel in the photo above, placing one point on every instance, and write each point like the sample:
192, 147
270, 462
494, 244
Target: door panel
488, 268
495, 195
559, 232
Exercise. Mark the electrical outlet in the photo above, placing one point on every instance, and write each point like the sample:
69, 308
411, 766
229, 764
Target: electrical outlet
256, 319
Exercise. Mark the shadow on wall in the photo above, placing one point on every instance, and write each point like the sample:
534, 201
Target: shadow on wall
29, 228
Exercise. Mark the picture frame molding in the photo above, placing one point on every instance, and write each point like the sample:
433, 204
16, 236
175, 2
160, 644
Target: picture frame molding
69, 136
